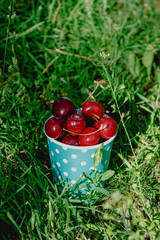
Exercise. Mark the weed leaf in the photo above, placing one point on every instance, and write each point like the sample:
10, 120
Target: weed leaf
102, 190
148, 58
106, 175
86, 175
133, 64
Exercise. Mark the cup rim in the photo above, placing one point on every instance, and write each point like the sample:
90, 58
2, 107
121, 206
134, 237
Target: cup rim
78, 147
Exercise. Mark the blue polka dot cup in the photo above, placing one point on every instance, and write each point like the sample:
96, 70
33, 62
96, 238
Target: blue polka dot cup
70, 162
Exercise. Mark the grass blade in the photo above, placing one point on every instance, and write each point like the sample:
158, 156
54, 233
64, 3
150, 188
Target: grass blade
28, 31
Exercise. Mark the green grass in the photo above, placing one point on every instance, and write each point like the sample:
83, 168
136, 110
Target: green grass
59, 48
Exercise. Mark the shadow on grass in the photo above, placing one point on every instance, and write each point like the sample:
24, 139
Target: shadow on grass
7, 231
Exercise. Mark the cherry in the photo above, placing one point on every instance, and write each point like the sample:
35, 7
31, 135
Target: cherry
108, 127
86, 127
89, 137
95, 125
54, 127
92, 110
63, 107
76, 123
70, 140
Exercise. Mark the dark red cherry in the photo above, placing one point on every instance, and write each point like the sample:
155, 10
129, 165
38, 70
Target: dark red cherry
63, 107
93, 110
76, 123
95, 125
108, 127
70, 140
54, 127
90, 137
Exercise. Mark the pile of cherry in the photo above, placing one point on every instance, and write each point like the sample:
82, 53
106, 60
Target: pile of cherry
85, 127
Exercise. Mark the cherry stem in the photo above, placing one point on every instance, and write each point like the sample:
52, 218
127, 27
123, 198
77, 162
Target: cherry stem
83, 134
96, 117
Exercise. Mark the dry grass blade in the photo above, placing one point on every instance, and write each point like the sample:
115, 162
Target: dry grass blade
67, 53
56, 13
51, 63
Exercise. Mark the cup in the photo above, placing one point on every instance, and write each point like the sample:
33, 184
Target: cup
70, 162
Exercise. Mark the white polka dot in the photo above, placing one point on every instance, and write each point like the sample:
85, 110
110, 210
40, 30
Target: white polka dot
65, 160
65, 174
82, 176
73, 181
92, 156
83, 163
59, 177
53, 166
51, 140
74, 156
74, 169
52, 153
108, 148
91, 168
58, 164
84, 150
64, 148
57, 151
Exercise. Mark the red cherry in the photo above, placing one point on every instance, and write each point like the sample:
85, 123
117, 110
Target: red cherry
70, 140
63, 107
54, 127
108, 127
93, 110
95, 125
76, 123
90, 137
